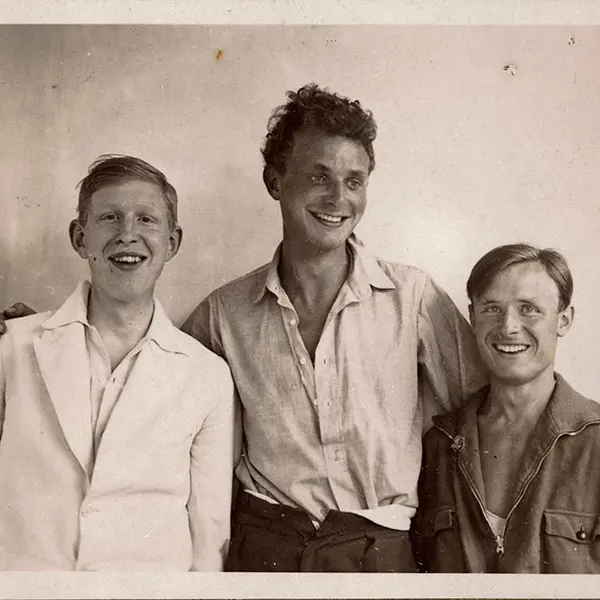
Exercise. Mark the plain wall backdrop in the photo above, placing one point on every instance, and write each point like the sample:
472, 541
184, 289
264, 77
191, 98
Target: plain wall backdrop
487, 135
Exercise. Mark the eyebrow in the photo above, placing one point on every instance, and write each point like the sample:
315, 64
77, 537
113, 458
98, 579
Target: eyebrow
352, 173
532, 300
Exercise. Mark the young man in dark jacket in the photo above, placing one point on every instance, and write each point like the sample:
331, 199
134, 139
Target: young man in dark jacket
509, 482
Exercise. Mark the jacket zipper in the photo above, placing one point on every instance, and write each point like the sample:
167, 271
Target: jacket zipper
499, 541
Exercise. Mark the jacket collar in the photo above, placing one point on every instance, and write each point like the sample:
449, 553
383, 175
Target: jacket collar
365, 274
74, 310
567, 412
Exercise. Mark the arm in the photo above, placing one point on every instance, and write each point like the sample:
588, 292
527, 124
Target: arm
449, 365
203, 326
212, 459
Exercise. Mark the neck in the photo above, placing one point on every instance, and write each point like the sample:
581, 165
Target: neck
523, 402
309, 274
127, 322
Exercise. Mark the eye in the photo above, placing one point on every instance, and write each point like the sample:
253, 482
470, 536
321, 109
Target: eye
108, 217
528, 309
318, 179
490, 310
354, 184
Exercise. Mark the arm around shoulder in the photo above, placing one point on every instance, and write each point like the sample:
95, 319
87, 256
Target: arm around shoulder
447, 351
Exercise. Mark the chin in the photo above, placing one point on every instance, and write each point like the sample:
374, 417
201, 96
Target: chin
514, 379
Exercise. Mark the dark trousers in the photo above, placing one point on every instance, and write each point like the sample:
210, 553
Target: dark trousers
273, 537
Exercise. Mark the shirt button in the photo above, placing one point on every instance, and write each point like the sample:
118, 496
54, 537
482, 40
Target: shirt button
293, 322
303, 361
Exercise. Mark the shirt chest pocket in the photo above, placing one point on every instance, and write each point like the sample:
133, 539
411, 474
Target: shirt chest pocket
571, 542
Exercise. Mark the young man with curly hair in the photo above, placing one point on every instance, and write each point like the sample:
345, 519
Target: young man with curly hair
339, 358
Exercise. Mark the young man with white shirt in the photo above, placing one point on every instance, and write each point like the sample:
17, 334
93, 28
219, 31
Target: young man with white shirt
116, 429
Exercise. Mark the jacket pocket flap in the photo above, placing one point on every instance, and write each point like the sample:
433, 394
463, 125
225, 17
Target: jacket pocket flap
440, 520
578, 527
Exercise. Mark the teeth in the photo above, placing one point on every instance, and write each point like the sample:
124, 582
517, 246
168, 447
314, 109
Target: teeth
511, 348
328, 218
128, 259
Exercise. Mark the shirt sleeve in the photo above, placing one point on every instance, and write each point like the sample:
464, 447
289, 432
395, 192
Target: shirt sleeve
212, 459
450, 368
203, 325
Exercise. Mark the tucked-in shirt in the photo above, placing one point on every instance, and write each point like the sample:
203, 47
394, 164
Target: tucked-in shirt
344, 432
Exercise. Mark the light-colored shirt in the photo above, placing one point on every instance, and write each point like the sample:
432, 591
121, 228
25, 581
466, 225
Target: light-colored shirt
497, 525
106, 384
345, 432
157, 494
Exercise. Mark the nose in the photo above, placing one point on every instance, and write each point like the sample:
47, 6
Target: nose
128, 232
511, 322
336, 193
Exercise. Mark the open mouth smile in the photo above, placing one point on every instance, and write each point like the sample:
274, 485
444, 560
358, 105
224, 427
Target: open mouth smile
127, 260
511, 348
328, 219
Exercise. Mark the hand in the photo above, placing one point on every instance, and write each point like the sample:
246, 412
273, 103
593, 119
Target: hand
18, 309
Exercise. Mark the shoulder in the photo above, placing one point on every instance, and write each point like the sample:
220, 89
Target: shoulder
197, 353
402, 273
25, 327
571, 407
244, 286
203, 377
387, 274
237, 294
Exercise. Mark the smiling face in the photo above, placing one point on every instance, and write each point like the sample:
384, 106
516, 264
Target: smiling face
517, 323
323, 192
126, 240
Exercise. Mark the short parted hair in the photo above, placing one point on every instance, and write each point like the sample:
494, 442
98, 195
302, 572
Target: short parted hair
312, 106
503, 257
112, 169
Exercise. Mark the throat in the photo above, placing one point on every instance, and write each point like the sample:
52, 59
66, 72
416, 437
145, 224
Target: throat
312, 286
120, 328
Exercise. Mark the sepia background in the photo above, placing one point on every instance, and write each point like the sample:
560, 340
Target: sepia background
487, 135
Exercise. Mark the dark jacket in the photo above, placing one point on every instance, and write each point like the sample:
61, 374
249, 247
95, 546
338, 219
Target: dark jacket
554, 524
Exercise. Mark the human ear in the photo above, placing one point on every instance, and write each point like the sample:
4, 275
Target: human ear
565, 320
175, 239
271, 181
77, 237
